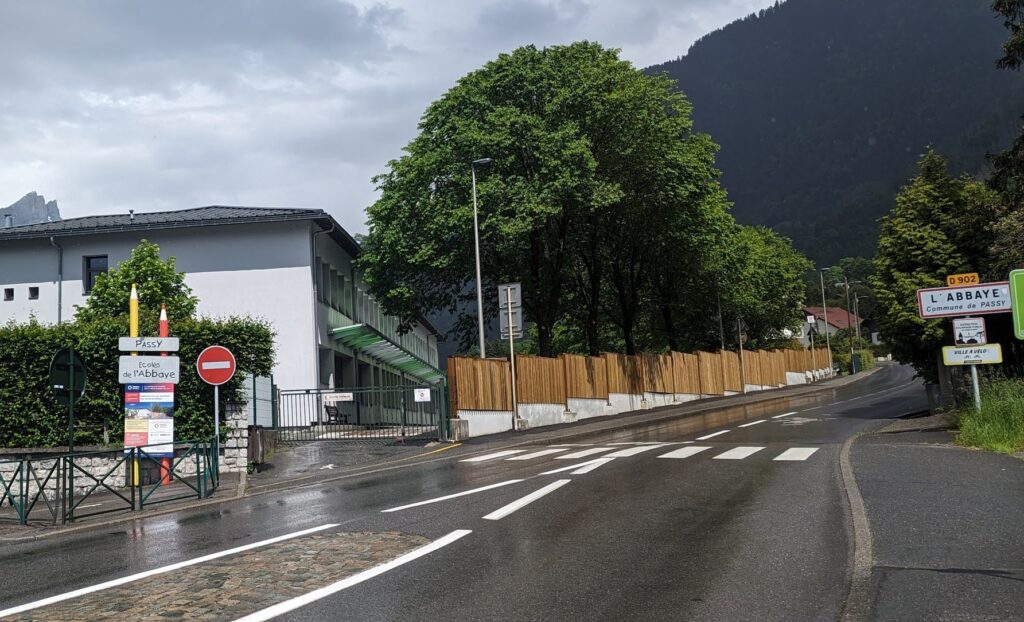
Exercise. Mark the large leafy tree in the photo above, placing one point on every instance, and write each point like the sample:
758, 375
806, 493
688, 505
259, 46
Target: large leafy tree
157, 281
941, 225
593, 164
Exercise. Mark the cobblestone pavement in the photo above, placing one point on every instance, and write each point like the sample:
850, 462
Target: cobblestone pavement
237, 585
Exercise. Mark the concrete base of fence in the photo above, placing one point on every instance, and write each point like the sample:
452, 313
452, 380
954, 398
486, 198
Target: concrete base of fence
481, 422
793, 377
542, 414
729, 393
686, 397
624, 402
658, 399
586, 408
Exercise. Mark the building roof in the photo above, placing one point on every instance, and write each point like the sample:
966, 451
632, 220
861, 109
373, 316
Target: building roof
212, 215
837, 317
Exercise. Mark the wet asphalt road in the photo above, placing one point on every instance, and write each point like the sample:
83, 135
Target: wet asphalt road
637, 538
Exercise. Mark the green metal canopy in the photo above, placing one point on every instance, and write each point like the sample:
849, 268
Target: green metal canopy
368, 340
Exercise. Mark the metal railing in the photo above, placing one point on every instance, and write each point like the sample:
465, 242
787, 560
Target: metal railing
361, 414
71, 486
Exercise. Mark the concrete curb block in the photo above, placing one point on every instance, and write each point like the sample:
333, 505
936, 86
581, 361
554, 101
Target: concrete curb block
857, 604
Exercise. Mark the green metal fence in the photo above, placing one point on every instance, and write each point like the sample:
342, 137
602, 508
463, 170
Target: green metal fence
62, 488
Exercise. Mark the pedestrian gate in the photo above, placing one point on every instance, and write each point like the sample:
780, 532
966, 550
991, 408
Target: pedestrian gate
417, 412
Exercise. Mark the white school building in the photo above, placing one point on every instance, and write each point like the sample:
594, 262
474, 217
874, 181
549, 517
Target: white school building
291, 267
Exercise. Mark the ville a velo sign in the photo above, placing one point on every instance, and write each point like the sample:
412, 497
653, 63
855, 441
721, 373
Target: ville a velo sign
980, 299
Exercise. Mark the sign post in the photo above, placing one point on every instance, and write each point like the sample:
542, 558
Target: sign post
510, 299
216, 365
67, 379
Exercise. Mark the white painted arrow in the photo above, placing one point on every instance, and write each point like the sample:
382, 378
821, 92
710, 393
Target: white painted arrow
327, 466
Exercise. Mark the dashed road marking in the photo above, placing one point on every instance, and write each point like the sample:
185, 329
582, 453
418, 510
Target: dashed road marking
712, 435
747, 425
784, 415
518, 504
453, 496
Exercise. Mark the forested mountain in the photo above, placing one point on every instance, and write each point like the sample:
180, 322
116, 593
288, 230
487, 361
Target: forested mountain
822, 108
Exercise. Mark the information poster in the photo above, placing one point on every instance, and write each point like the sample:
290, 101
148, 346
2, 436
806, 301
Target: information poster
149, 418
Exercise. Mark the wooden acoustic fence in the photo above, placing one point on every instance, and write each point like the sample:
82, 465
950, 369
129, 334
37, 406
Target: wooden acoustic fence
485, 384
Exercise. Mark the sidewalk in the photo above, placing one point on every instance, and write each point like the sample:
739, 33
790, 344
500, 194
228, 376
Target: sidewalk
945, 523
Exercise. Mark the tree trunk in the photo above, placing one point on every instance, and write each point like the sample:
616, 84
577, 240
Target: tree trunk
670, 328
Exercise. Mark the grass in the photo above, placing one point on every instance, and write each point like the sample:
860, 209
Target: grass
999, 425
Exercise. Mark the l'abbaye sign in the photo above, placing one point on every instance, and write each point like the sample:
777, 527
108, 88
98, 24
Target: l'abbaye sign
970, 300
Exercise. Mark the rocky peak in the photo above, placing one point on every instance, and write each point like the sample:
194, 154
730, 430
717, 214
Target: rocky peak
29, 209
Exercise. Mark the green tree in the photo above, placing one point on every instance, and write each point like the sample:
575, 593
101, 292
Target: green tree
1012, 12
157, 280
940, 226
592, 162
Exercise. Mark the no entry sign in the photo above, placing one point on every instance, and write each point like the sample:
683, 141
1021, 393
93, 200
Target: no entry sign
216, 365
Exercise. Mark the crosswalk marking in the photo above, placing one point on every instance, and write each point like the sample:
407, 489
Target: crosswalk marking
685, 452
797, 453
738, 453
538, 454
632, 451
500, 454
583, 454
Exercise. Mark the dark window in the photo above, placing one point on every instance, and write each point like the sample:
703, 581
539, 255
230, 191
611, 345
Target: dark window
33, 293
94, 266
8, 294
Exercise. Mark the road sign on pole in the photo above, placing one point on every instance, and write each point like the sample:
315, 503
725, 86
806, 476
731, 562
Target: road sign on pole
989, 354
216, 365
1017, 296
969, 331
968, 278
934, 302
510, 294
67, 379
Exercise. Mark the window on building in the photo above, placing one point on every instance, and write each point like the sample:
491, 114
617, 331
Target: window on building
94, 266
8, 294
33, 293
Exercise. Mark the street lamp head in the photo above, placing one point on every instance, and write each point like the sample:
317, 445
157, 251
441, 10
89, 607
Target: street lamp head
482, 161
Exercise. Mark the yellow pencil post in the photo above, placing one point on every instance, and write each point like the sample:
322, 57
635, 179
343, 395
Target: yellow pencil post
133, 331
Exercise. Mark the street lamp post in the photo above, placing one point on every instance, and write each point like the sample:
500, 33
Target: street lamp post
476, 241
824, 307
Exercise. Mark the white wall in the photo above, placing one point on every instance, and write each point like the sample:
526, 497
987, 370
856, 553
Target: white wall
261, 270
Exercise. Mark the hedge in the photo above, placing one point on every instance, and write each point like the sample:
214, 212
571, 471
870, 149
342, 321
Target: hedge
31, 417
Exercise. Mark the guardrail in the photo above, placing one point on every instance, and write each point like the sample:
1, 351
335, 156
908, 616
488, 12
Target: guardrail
62, 488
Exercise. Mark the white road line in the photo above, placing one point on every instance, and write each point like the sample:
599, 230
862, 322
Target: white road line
632, 451
538, 454
797, 453
738, 453
707, 436
334, 588
502, 512
163, 569
747, 425
500, 454
593, 465
571, 467
454, 496
685, 452
583, 454
784, 415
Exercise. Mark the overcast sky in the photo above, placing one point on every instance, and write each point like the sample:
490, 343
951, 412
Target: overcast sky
157, 105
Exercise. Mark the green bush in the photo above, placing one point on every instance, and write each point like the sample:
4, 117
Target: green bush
31, 417
999, 425
842, 358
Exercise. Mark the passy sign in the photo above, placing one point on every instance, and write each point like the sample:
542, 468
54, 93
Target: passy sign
970, 300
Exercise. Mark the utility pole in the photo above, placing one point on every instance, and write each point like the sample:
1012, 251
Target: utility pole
476, 240
849, 318
824, 307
